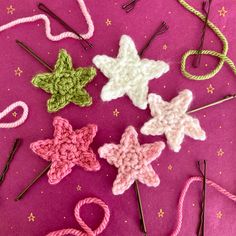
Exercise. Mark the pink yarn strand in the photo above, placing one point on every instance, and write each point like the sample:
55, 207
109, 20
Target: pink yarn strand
49, 35
184, 193
10, 108
87, 230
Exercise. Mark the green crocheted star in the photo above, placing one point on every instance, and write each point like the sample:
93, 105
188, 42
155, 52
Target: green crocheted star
65, 83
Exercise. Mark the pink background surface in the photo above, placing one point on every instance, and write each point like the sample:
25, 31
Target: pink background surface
53, 205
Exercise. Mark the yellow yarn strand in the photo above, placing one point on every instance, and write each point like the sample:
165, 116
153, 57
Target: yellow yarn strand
222, 56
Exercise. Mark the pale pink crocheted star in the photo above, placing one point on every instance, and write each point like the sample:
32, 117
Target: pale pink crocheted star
132, 160
67, 149
171, 119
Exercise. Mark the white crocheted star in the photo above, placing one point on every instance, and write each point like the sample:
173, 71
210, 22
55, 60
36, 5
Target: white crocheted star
128, 73
172, 120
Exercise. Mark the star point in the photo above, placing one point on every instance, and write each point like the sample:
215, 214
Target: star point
128, 74
210, 89
31, 217
219, 215
222, 12
10, 10
65, 84
67, 149
18, 72
161, 213
132, 160
108, 22
171, 119
116, 113
220, 152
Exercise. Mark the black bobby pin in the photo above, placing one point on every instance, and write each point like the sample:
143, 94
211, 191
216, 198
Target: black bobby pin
32, 53
26, 189
206, 6
143, 227
201, 228
160, 30
129, 6
15, 147
84, 42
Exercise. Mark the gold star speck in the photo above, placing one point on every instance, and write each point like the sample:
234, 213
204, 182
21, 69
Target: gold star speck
18, 72
222, 12
161, 213
220, 152
165, 47
210, 89
170, 167
108, 22
116, 113
78, 188
14, 114
31, 217
10, 10
219, 215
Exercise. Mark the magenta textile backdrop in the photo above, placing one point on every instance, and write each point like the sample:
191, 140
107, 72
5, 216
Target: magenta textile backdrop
52, 206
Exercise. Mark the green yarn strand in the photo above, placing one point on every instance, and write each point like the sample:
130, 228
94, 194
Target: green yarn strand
222, 56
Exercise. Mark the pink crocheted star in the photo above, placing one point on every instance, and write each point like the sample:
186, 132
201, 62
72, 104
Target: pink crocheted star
67, 149
171, 119
132, 160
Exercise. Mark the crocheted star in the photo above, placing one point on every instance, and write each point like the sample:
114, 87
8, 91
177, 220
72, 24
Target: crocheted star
67, 149
172, 120
65, 83
132, 160
128, 74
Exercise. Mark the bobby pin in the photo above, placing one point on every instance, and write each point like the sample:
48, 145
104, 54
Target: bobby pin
32, 53
26, 189
201, 229
129, 6
226, 98
15, 147
160, 30
206, 8
84, 43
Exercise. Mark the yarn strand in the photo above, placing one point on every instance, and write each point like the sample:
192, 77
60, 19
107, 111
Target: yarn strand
222, 56
49, 35
11, 108
87, 230
184, 193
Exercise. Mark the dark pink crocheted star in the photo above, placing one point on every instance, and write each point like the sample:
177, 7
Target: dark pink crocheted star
67, 149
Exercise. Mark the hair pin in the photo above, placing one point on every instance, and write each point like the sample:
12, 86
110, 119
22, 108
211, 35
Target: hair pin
129, 6
26, 189
46, 10
81, 152
32, 53
13, 151
225, 99
206, 8
184, 192
201, 228
160, 30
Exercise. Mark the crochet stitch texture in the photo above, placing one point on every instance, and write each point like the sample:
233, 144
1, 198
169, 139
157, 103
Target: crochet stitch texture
67, 149
128, 74
132, 160
171, 119
65, 83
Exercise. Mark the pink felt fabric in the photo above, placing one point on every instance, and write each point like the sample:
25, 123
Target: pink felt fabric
52, 206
